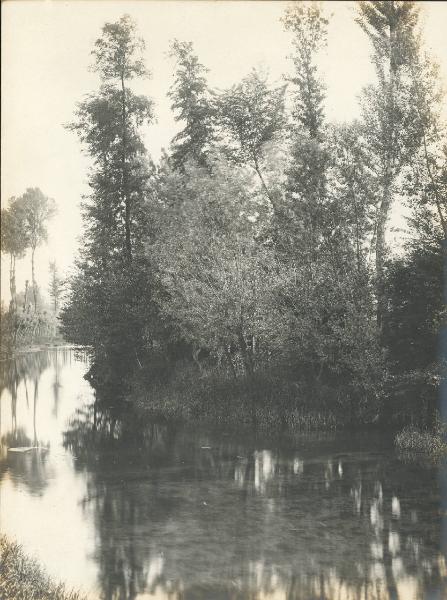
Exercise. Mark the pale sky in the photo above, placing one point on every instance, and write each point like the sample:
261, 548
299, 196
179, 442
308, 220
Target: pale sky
46, 47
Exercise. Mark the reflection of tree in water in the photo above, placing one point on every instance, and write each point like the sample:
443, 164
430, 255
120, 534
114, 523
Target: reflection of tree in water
28, 467
56, 385
194, 519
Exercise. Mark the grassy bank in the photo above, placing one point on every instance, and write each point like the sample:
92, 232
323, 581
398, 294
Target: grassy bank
21, 577
268, 400
8, 351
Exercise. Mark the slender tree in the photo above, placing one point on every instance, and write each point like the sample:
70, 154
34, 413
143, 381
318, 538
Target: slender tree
108, 123
14, 241
37, 209
303, 215
392, 30
109, 306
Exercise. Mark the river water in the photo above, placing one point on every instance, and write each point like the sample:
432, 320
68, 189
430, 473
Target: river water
123, 509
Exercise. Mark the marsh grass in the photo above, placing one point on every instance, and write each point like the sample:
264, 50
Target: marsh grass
428, 442
22, 578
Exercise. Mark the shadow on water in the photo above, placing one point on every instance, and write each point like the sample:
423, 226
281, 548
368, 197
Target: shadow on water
188, 513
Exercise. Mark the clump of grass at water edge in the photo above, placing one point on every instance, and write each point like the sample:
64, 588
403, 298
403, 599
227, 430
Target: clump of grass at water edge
427, 442
22, 578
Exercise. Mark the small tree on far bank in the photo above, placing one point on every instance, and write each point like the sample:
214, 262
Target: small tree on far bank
38, 209
14, 241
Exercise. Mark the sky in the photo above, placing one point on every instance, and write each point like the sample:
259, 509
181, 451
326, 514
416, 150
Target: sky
46, 46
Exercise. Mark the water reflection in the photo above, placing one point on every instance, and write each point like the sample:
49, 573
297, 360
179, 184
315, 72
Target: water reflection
162, 511
186, 515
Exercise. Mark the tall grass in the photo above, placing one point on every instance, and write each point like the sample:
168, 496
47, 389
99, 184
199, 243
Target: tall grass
21, 577
428, 442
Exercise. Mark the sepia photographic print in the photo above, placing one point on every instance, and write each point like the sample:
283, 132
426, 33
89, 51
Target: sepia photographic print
223, 300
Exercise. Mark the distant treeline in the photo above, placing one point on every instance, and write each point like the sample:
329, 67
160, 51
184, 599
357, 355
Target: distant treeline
256, 249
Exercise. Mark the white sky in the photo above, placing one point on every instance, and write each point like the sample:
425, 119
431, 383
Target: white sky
46, 47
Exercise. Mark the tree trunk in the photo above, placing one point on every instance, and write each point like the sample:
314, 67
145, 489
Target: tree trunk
382, 219
125, 191
26, 296
264, 186
389, 175
11, 283
230, 362
245, 352
14, 290
33, 280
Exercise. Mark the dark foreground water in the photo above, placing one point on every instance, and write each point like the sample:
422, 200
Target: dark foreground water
124, 509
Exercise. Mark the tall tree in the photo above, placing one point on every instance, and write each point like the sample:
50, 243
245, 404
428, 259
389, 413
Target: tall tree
109, 306
14, 241
37, 209
391, 27
192, 103
108, 123
321, 226
304, 212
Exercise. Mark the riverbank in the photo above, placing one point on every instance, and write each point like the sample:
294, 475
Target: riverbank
31, 348
22, 578
268, 401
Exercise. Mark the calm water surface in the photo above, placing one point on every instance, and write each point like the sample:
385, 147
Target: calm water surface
128, 510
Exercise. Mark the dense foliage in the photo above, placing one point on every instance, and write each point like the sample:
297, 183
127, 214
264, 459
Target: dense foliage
256, 248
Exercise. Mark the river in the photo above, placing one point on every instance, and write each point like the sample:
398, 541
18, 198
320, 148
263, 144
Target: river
124, 509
